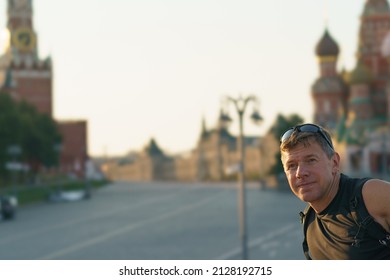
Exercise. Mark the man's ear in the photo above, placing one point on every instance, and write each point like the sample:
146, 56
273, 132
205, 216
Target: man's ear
336, 163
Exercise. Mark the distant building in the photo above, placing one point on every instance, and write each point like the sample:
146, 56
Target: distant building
215, 158
355, 104
26, 77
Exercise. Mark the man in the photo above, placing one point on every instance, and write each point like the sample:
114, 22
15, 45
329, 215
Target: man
347, 218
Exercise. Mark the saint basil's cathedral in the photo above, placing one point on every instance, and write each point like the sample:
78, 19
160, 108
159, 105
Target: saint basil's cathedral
355, 104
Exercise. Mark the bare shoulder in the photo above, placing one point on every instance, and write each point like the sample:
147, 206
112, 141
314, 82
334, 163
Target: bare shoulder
376, 195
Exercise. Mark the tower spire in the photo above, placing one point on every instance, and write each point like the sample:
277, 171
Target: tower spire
20, 14
203, 132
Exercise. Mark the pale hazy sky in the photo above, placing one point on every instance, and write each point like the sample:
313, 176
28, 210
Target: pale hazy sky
137, 69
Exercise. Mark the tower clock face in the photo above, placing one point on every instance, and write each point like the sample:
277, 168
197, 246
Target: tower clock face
24, 39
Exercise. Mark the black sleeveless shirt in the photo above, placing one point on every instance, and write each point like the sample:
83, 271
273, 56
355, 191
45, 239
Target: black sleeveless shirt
339, 232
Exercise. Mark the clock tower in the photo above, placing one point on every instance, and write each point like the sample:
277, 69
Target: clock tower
23, 74
26, 77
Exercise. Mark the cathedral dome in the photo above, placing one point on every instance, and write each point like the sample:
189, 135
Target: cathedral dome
376, 7
361, 74
327, 46
385, 48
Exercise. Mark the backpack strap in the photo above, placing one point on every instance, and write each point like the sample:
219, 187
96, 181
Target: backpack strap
365, 221
304, 220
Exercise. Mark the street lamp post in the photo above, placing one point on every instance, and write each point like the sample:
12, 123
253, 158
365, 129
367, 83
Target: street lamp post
240, 105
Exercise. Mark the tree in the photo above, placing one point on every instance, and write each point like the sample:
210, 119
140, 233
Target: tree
36, 134
281, 124
9, 129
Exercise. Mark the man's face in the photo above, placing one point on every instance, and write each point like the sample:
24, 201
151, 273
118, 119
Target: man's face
310, 173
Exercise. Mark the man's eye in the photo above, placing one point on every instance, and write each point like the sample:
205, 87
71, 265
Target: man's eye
291, 166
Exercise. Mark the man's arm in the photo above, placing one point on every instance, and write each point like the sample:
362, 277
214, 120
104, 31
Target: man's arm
376, 195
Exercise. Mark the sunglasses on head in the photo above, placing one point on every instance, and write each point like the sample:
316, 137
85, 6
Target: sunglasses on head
306, 128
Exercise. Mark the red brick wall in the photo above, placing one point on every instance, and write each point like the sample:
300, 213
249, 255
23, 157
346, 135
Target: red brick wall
74, 152
35, 89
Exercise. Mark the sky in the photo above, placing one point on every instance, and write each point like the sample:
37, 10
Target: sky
142, 69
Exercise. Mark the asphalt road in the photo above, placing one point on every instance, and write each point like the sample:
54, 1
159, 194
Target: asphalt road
159, 221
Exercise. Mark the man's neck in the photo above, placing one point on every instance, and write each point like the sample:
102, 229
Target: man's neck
321, 204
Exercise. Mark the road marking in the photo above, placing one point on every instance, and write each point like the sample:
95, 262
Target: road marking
259, 241
109, 235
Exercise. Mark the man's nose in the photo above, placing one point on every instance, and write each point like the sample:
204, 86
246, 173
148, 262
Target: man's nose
302, 171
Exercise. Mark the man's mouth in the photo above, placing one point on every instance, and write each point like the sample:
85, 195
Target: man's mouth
305, 185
